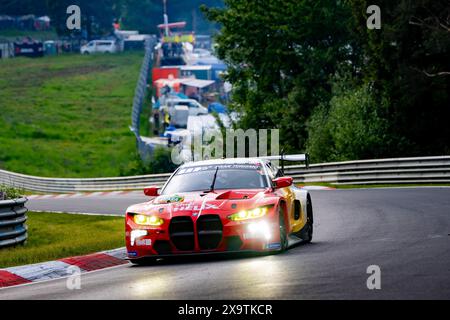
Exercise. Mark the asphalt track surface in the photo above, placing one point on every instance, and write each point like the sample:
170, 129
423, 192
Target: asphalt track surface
403, 231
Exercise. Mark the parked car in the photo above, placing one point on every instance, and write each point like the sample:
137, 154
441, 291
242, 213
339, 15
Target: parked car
179, 116
200, 53
99, 46
195, 108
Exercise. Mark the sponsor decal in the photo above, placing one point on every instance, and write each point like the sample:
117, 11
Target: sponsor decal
169, 199
132, 253
243, 166
179, 38
192, 206
275, 245
144, 242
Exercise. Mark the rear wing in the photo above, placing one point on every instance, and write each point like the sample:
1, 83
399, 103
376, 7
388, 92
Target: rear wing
289, 157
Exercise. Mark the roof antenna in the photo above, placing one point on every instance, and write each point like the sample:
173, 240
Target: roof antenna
213, 183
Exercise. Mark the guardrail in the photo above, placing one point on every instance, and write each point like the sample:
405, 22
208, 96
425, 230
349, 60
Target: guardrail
68, 185
13, 216
381, 171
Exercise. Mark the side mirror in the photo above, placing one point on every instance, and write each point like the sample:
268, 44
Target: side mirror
151, 191
282, 182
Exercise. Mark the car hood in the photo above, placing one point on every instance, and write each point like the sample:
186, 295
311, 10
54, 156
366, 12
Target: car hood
197, 203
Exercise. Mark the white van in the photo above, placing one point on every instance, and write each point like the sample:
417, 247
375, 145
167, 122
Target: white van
195, 108
102, 46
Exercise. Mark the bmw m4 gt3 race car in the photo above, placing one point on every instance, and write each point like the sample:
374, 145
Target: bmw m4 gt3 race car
223, 205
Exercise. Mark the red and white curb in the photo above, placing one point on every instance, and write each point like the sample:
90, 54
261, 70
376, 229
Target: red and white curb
122, 193
60, 268
85, 195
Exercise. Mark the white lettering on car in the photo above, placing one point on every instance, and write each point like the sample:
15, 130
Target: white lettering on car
194, 207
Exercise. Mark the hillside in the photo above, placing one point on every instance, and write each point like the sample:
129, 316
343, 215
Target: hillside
67, 116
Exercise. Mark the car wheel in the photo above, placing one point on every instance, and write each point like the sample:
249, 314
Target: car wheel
283, 233
306, 234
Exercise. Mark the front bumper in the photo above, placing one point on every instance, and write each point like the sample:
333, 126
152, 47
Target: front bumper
257, 235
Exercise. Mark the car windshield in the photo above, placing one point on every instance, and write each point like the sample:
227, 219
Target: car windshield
200, 178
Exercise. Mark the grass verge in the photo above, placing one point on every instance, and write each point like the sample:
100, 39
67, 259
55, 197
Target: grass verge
13, 34
54, 236
68, 115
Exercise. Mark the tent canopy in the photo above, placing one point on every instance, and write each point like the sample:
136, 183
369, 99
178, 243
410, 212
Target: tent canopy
197, 83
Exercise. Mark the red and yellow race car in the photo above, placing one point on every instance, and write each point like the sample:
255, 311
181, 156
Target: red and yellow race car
223, 205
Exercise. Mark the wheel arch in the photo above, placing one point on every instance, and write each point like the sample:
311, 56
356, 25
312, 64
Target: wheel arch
283, 204
302, 195
309, 213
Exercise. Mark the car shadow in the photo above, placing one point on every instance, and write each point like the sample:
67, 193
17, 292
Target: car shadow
200, 258
218, 257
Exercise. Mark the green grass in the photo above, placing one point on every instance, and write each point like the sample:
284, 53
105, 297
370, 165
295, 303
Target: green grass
68, 115
12, 34
57, 235
7, 192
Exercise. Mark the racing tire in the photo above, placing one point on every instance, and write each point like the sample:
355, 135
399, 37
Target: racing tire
306, 234
283, 233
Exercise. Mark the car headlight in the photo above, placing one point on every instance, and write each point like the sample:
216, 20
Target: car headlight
249, 214
147, 220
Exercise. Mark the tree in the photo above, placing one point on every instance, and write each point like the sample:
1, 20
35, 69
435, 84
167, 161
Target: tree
23, 7
142, 15
349, 128
407, 64
435, 22
282, 55
286, 56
